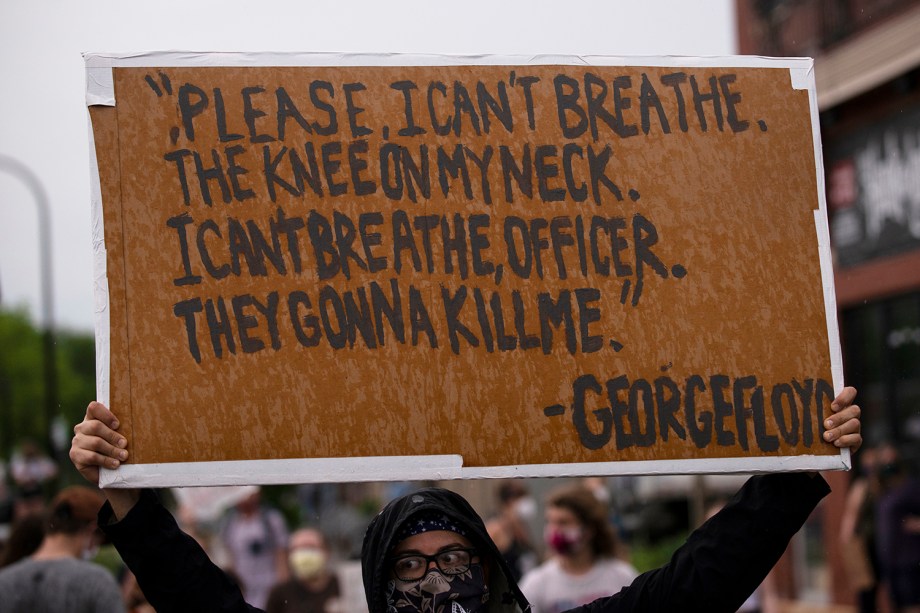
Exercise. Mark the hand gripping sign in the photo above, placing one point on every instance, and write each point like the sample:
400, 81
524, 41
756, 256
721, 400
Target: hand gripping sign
316, 267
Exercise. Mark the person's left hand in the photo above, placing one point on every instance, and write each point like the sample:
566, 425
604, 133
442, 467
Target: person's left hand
843, 427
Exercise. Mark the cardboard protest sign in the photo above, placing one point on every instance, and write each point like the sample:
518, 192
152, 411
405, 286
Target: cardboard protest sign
397, 267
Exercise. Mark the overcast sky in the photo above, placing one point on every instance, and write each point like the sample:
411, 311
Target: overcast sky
43, 118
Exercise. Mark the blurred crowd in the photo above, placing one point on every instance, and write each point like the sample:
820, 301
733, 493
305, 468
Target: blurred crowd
298, 552
880, 532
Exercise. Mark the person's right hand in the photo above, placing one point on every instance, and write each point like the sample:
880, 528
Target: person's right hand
97, 443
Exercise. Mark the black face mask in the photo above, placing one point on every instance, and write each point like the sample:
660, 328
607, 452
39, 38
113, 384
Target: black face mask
439, 593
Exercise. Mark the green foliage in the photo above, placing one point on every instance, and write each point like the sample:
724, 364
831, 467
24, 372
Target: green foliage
646, 556
76, 362
21, 389
22, 380
108, 558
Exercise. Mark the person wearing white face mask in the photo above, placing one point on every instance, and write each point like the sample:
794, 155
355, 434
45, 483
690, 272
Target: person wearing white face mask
312, 587
58, 576
583, 566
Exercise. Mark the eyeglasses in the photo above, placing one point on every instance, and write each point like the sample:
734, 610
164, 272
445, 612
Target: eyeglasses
413, 567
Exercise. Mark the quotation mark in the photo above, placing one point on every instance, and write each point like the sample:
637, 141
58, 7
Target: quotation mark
167, 87
167, 84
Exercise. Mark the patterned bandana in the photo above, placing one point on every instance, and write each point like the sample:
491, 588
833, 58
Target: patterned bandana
439, 593
426, 522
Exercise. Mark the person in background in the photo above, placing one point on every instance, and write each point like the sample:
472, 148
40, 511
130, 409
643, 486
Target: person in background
255, 536
857, 531
28, 500
584, 564
509, 527
58, 577
312, 587
31, 472
30, 467
898, 533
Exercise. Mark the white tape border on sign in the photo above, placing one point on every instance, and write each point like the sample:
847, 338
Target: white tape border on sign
100, 276
438, 468
100, 86
276, 472
803, 77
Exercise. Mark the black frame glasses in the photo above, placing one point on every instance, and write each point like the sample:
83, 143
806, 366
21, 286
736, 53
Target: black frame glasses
446, 564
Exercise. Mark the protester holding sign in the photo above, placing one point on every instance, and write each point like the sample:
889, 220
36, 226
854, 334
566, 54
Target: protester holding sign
429, 550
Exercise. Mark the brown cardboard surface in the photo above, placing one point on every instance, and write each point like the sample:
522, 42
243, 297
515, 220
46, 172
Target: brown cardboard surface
730, 320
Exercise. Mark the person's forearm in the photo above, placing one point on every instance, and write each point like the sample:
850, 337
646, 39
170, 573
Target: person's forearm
729, 556
122, 500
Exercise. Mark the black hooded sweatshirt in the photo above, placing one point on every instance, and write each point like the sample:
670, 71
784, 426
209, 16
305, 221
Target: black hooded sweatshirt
719, 566
379, 541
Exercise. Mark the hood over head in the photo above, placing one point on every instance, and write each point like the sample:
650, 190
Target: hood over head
381, 537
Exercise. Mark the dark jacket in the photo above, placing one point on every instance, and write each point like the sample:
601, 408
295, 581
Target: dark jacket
721, 563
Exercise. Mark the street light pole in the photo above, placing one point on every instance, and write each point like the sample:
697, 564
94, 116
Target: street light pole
30, 179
